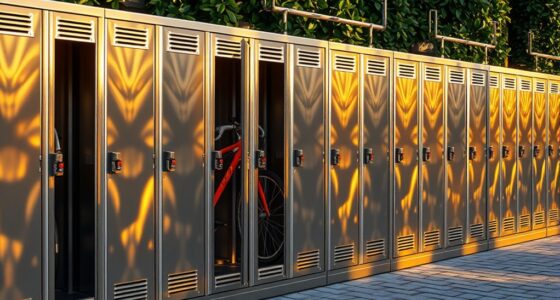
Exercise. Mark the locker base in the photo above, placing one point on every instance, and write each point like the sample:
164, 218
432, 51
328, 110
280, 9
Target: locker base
517, 238
359, 271
553, 230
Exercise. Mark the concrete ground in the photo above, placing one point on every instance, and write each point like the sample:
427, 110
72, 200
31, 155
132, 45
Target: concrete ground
525, 271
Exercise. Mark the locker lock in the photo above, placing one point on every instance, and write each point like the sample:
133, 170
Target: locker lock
169, 161
521, 151
57, 164
536, 151
115, 163
335, 157
298, 157
368, 156
550, 150
490, 152
260, 159
472, 152
505, 151
217, 160
399, 155
450, 153
426, 154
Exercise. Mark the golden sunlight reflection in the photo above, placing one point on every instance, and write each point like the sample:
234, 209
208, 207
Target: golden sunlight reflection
13, 164
30, 131
509, 166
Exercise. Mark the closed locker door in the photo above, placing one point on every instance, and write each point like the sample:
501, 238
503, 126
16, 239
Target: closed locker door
376, 104
431, 157
476, 155
493, 154
21, 260
130, 146
406, 220
539, 154
508, 200
553, 154
456, 149
344, 159
182, 130
308, 173
524, 153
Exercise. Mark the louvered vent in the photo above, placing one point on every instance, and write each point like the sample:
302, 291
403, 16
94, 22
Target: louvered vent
478, 79
376, 67
271, 272
493, 226
183, 43
508, 224
457, 77
405, 242
539, 87
406, 71
554, 88
432, 74
455, 234
227, 48
431, 238
228, 279
509, 83
137, 290
309, 59
308, 260
182, 282
525, 85
344, 63
539, 218
130, 37
344, 253
79, 31
16, 24
476, 231
553, 216
525, 221
494, 81
375, 248
272, 54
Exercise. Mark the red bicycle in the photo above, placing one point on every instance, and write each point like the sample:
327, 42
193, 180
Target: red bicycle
270, 194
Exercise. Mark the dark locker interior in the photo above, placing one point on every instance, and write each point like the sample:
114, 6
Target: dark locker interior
74, 122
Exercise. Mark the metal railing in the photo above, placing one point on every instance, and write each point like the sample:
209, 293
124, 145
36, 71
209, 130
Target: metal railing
537, 55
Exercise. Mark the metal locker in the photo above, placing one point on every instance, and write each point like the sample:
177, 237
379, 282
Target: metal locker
553, 154
493, 154
431, 157
508, 201
524, 152
539, 153
476, 157
23, 130
308, 170
130, 146
181, 129
375, 152
406, 159
344, 159
455, 156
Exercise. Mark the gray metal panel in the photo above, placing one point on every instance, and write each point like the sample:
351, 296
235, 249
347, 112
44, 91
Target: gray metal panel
183, 222
539, 158
508, 201
20, 148
494, 147
308, 180
130, 131
375, 221
553, 199
524, 164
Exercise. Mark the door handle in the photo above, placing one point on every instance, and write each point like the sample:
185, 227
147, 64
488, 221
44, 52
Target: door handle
260, 159
550, 150
521, 151
335, 156
56, 161
399, 155
115, 163
450, 153
472, 152
536, 151
368, 156
298, 157
217, 160
490, 152
169, 161
505, 151
426, 154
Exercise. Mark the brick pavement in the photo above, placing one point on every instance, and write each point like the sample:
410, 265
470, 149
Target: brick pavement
524, 271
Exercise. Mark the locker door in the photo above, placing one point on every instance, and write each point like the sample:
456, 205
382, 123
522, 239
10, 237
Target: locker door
431, 157
456, 156
308, 173
509, 156
406, 159
20, 150
476, 155
524, 153
344, 160
493, 155
539, 154
553, 154
376, 105
182, 145
130, 145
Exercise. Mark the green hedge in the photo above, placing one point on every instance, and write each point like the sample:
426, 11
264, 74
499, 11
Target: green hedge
407, 22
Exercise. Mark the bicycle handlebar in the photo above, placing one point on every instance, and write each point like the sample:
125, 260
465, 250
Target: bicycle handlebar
220, 130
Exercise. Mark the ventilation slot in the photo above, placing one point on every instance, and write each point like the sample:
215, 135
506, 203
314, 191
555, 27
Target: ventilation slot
376, 67
405, 242
228, 279
476, 231
308, 260
406, 71
525, 221
309, 59
272, 54
130, 37
344, 253
455, 234
182, 282
133, 290
432, 74
375, 248
271, 272
508, 224
554, 88
509, 83
525, 85
344, 63
183, 43
74, 30
539, 218
16, 24
457, 77
553, 216
493, 226
226, 48
494, 81
539, 87
431, 238
478, 79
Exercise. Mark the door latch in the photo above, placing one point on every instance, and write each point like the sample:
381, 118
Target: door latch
169, 161
57, 164
450, 153
217, 160
399, 155
490, 152
550, 150
505, 151
521, 151
335, 157
298, 157
260, 159
115, 163
536, 151
368, 156
472, 152
426, 154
